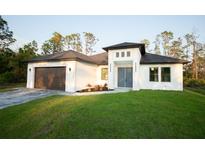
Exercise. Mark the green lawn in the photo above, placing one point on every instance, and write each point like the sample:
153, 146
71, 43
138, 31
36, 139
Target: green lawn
143, 114
199, 89
11, 86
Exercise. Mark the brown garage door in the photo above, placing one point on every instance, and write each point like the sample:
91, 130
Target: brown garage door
50, 78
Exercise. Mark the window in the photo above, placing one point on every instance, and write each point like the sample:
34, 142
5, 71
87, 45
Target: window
153, 74
122, 54
165, 74
128, 53
117, 54
104, 74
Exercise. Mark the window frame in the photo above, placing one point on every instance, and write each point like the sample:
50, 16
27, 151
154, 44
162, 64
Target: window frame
162, 75
123, 53
156, 74
129, 54
104, 77
117, 55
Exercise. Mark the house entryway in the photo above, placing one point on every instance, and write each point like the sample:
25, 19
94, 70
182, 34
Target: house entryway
125, 78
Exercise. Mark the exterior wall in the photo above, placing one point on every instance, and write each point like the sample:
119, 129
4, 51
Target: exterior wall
98, 73
70, 73
176, 77
80, 74
114, 62
85, 74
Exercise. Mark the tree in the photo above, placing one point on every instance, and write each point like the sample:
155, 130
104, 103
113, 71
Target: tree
191, 40
70, 42
166, 38
29, 49
201, 64
53, 45
19, 64
47, 47
5, 58
157, 45
6, 36
147, 43
90, 41
73, 42
13, 65
176, 49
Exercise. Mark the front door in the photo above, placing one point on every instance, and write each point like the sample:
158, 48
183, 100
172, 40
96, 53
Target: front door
125, 77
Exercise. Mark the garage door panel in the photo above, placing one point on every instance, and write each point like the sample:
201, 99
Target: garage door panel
50, 78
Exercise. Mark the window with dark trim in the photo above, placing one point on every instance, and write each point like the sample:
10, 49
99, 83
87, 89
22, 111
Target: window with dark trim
165, 74
128, 53
153, 74
122, 54
117, 54
104, 74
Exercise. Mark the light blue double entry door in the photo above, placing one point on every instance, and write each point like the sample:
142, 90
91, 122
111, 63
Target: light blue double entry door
125, 78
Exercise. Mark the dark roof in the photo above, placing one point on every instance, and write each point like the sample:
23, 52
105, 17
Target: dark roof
101, 58
66, 55
127, 45
149, 58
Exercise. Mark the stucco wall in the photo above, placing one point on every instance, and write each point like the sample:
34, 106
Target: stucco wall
78, 74
176, 77
114, 62
85, 74
70, 73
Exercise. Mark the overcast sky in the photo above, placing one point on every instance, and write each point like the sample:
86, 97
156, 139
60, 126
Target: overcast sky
108, 29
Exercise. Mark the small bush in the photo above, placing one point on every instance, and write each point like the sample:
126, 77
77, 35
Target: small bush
7, 77
97, 88
105, 87
194, 83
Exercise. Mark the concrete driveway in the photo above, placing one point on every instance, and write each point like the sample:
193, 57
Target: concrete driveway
22, 95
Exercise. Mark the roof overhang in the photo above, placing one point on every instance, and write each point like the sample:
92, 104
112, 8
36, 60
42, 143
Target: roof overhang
180, 62
58, 60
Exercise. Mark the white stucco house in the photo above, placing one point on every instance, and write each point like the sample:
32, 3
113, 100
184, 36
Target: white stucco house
124, 65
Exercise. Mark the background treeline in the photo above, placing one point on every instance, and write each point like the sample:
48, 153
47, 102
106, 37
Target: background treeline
13, 66
188, 48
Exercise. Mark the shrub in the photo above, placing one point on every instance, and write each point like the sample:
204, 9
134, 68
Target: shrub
105, 87
7, 77
194, 83
97, 87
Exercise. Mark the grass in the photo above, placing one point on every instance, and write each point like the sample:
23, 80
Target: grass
197, 89
143, 114
10, 86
